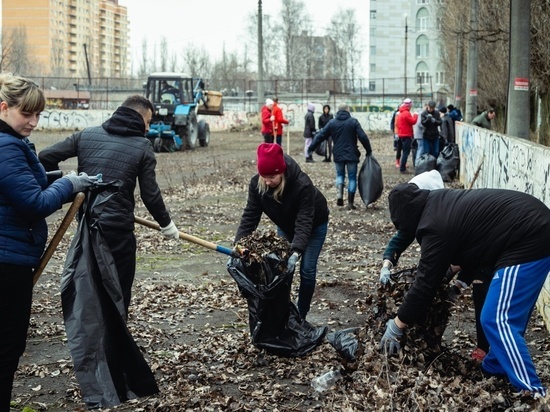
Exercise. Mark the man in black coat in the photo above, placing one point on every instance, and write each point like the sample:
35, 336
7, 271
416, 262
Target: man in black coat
345, 131
504, 230
431, 120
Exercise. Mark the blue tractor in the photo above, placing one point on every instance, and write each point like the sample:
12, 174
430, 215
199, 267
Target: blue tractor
178, 99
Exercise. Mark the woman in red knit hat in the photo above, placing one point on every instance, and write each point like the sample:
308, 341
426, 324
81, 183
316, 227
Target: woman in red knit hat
288, 197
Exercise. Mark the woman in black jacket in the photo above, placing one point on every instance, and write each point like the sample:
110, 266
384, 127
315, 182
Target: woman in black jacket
323, 120
288, 197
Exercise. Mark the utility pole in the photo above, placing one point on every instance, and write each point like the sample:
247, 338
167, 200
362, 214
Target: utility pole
458, 71
471, 71
261, 94
405, 63
518, 110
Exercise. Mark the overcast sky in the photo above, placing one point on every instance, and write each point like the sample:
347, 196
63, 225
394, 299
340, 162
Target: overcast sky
215, 23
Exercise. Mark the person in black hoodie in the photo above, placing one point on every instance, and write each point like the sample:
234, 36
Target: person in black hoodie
119, 150
504, 230
322, 122
288, 197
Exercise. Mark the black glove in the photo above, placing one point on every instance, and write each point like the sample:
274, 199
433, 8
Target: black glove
291, 262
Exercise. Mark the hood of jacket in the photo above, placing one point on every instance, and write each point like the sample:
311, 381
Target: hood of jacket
125, 122
407, 204
342, 115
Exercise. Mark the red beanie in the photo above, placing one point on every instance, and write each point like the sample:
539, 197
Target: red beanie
270, 159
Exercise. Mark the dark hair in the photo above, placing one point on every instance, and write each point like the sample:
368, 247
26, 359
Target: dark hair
490, 110
450, 107
138, 103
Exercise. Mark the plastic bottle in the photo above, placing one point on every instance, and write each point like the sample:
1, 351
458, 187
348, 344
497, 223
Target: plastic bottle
326, 380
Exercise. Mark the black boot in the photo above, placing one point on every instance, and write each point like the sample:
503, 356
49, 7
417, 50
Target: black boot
351, 198
340, 198
309, 159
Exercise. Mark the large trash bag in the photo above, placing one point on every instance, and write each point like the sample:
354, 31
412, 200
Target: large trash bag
448, 162
424, 163
321, 149
108, 364
274, 321
370, 180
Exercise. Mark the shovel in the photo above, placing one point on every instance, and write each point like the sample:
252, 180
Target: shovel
189, 238
48, 253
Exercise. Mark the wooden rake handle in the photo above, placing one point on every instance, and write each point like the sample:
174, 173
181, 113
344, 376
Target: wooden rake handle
48, 253
189, 238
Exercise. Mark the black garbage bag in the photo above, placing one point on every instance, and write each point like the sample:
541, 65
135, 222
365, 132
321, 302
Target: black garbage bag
370, 180
424, 163
448, 162
274, 321
321, 149
108, 364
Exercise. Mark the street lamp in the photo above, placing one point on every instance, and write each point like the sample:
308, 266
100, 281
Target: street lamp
405, 64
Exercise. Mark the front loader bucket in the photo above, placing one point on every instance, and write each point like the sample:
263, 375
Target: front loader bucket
213, 106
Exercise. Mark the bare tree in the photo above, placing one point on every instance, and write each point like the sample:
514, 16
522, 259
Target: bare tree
273, 63
143, 69
346, 33
16, 54
164, 55
227, 74
294, 25
196, 61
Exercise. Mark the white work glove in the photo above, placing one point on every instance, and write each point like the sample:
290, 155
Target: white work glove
390, 341
82, 181
385, 272
170, 231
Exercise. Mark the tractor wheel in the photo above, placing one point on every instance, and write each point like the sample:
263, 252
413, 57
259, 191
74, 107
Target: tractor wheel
157, 144
192, 132
204, 133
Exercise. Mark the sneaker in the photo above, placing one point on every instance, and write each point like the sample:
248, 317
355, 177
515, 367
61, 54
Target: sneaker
478, 354
340, 202
309, 159
326, 160
397, 163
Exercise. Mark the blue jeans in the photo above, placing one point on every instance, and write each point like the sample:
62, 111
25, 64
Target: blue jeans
308, 266
431, 147
341, 174
406, 142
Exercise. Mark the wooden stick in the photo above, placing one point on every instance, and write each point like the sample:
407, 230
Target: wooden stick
189, 238
48, 253
476, 174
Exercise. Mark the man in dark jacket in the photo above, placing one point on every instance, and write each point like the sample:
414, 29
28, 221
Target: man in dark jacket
345, 131
119, 150
447, 127
431, 120
326, 117
505, 230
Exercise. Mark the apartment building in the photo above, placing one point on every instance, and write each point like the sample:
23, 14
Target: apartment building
404, 55
69, 37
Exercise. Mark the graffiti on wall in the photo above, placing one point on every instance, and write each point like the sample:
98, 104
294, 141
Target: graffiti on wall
71, 119
506, 162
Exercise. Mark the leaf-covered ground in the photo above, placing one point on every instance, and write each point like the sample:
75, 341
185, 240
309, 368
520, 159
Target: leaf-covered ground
192, 325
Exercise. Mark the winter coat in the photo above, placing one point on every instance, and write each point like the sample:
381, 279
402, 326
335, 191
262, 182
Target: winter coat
325, 117
431, 122
345, 130
25, 200
279, 119
119, 151
448, 129
309, 127
476, 229
267, 123
405, 122
482, 120
302, 207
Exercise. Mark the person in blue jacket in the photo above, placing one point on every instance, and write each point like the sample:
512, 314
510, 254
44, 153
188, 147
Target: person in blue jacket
345, 131
25, 202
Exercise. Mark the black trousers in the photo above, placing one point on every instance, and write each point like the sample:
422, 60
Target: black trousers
15, 312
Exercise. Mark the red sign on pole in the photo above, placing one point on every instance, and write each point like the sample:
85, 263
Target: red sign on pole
521, 83
473, 92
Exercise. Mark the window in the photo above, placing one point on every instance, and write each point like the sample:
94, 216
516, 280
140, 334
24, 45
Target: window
372, 86
372, 32
373, 50
420, 2
372, 67
373, 14
422, 19
422, 73
440, 74
422, 47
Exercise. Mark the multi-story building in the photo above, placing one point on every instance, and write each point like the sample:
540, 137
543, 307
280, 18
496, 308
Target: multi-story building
70, 37
404, 55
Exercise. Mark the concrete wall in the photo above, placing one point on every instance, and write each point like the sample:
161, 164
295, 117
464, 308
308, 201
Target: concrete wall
506, 163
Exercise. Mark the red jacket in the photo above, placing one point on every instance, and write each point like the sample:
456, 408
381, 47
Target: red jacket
405, 121
267, 124
279, 119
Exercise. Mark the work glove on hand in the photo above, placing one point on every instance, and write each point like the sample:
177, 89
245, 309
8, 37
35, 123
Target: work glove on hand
291, 262
385, 274
170, 231
390, 340
82, 181
456, 290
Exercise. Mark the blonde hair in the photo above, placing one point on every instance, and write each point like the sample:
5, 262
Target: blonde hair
22, 93
277, 192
